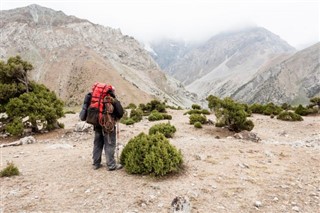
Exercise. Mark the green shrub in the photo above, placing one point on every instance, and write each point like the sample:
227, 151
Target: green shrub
136, 115
286, 106
128, 121
165, 128
197, 125
173, 107
9, 171
220, 124
151, 154
247, 125
289, 116
166, 116
24, 99
197, 111
300, 110
230, 114
257, 108
15, 127
196, 106
271, 108
155, 116
153, 105
197, 118
131, 106
205, 112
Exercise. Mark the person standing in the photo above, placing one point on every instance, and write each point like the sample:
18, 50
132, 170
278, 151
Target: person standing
107, 140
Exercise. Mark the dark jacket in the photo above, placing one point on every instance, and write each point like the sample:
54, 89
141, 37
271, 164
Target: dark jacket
118, 110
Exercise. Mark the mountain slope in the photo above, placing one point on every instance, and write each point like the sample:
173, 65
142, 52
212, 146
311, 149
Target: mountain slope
70, 54
293, 80
228, 53
224, 63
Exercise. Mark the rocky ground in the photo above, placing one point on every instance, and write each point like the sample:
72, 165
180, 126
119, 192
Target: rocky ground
279, 173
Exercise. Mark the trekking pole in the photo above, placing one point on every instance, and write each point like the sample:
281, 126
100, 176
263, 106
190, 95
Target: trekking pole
117, 143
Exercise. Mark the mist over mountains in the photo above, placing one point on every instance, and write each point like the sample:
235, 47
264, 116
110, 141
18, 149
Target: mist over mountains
227, 62
70, 54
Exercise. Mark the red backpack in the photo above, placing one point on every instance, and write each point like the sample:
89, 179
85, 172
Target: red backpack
97, 108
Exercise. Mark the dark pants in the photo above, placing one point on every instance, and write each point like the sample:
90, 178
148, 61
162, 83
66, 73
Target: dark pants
108, 142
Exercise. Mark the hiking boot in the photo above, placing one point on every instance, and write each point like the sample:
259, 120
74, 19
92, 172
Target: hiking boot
116, 167
96, 166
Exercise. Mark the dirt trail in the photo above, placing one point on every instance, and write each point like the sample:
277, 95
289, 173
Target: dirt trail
282, 171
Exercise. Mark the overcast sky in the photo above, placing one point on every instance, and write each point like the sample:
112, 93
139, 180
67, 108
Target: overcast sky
297, 22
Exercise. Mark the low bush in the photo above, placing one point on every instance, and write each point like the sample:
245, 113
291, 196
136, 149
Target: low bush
151, 154
155, 116
136, 115
197, 111
198, 125
9, 171
131, 106
230, 114
166, 116
197, 118
289, 116
300, 110
16, 127
128, 121
196, 106
271, 108
165, 128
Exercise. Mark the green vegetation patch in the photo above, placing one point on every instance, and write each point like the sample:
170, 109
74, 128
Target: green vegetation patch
151, 154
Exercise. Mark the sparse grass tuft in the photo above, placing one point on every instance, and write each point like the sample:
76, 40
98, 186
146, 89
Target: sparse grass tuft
9, 171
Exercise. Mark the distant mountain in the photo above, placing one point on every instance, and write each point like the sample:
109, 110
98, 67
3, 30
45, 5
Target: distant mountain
226, 53
295, 80
248, 65
168, 51
70, 54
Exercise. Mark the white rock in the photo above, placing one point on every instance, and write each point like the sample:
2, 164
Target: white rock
296, 208
257, 204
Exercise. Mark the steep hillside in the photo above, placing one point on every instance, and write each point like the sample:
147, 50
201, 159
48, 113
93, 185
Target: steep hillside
227, 53
70, 54
224, 63
293, 80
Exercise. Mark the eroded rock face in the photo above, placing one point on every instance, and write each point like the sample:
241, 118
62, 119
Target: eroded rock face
71, 54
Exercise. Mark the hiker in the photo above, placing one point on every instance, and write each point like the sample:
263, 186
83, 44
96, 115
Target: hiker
104, 125
107, 140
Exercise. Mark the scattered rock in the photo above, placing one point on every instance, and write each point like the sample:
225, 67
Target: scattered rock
246, 135
210, 122
296, 208
22, 141
28, 140
243, 165
181, 204
82, 127
283, 133
257, 204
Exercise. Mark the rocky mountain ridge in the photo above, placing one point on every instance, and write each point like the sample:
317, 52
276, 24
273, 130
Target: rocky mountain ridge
225, 64
70, 54
294, 79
